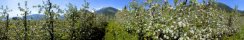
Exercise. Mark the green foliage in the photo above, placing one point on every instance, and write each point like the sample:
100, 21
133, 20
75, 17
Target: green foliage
26, 11
51, 15
150, 20
5, 32
115, 31
239, 35
195, 21
85, 25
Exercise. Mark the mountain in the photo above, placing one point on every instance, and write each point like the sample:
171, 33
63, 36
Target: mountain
40, 17
241, 11
29, 17
227, 8
224, 7
35, 17
109, 11
16, 18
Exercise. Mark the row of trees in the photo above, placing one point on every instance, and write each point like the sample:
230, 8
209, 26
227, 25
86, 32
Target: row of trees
79, 24
150, 20
185, 20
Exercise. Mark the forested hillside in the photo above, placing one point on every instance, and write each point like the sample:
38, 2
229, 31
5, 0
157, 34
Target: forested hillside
149, 20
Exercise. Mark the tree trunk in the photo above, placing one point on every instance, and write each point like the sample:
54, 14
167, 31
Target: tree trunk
25, 25
50, 21
7, 25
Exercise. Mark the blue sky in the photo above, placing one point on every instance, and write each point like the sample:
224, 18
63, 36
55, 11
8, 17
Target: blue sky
94, 4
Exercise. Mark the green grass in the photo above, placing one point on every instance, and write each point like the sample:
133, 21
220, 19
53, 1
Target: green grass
242, 28
242, 32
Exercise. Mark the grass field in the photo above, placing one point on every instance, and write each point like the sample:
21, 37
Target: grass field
242, 28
